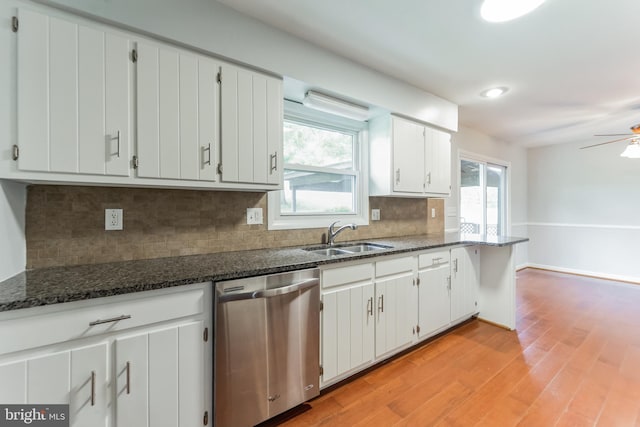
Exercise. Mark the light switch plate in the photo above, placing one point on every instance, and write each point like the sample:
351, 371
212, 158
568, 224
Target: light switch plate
254, 216
375, 214
433, 212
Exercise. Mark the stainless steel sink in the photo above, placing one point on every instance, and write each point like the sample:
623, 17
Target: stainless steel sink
347, 249
363, 247
329, 251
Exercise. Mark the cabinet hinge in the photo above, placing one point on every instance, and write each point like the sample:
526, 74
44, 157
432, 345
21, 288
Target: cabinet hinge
15, 152
321, 370
205, 335
219, 77
205, 419
219, 168
14, 24
134, 55
321, 305
135, 162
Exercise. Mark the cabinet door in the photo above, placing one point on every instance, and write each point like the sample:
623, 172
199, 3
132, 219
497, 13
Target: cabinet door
464, 282
177, 113
251, 126
131, 382
159, 377
78, 377
73, 97
408, 156
395, 318
90, 391
437, 161
347, 330
434, 311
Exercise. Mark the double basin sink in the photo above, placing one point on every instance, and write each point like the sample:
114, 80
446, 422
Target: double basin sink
347, 249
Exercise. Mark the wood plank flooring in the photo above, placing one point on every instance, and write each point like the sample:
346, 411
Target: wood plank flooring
574, 360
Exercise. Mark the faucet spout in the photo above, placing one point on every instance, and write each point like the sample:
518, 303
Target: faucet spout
331, 234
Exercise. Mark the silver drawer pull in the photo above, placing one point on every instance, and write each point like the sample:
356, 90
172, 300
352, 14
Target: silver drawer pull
113, 319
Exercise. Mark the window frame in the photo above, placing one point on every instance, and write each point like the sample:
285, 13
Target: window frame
487, 161
297, 113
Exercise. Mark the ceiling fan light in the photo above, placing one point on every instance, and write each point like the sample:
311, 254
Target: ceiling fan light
506, 10
632, 151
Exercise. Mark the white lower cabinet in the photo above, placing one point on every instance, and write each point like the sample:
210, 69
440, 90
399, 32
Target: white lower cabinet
434, 312
373, 310
149, 375
347, 327
465, 279
395, 304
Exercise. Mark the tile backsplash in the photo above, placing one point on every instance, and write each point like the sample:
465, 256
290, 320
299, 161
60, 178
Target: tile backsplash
65, 224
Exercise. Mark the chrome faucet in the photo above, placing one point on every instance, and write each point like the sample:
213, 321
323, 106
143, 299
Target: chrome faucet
331, 235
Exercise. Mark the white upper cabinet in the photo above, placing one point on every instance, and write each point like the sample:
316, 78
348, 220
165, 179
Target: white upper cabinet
177, 112
73, 97
408, 159
251, 127
103, 106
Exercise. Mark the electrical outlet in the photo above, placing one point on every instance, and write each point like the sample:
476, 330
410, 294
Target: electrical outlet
113, 219
433, 212
254, 215
375, 214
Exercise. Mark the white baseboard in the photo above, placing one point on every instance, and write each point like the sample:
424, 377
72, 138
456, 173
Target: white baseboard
630, 280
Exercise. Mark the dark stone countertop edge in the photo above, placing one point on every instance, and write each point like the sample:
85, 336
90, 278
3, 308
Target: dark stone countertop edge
54, 285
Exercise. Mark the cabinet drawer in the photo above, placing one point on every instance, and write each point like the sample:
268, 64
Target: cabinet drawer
344, 275
94, 318
394, 266
433, 259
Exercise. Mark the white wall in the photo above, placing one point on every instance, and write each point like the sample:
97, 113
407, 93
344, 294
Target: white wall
13, 247
478, 143
584, 210
216, 28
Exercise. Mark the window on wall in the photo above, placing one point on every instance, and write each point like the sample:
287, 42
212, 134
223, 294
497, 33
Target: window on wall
324, 177
483, 207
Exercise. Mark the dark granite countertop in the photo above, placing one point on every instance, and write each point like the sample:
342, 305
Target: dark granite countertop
64, 284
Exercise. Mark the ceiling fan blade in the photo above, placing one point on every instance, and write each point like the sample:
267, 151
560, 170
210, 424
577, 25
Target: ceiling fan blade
609, 142
614, 134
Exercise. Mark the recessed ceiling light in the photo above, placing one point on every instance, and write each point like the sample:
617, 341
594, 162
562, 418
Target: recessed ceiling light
506, 10
494, 92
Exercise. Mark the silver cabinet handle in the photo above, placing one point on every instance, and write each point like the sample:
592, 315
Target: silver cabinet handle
128, 378
370, 307
273, 160
429, 178
398, 176
117, 138
93, 388
113, 319
436, 260
381, 303
455, 265
208, 148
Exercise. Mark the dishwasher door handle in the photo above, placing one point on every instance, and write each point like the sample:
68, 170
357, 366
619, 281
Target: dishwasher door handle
294, 287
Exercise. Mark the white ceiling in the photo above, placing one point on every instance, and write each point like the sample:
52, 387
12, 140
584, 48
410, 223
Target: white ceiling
572, 66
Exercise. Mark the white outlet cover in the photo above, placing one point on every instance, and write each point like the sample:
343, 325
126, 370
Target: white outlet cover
113, 219
375, 214
254, 216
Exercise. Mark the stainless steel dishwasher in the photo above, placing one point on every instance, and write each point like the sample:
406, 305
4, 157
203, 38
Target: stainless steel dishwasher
267, 339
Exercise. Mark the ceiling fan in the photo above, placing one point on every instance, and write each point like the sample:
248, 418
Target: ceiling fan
632, 150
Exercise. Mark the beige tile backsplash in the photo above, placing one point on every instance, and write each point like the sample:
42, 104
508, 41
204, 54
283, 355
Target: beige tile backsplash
65, 224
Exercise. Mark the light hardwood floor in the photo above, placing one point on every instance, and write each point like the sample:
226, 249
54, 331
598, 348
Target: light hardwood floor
574, 360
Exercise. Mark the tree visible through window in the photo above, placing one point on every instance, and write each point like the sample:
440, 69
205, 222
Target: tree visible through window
320, 170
